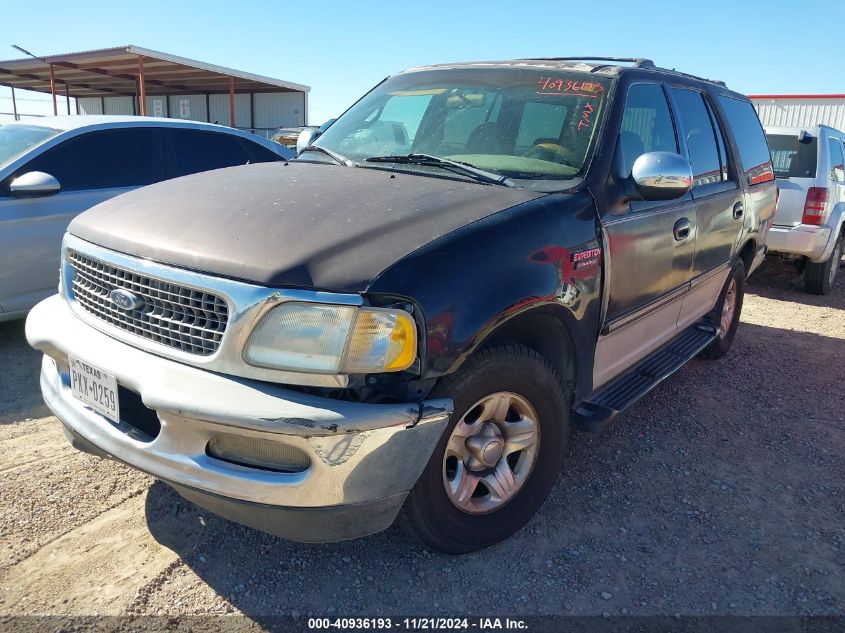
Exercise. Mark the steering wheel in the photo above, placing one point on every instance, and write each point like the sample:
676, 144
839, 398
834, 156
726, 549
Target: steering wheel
552, 152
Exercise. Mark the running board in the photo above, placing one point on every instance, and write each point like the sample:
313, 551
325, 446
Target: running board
594, 412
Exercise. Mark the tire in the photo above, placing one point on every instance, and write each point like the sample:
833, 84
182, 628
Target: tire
727, 324
527, 384
820, 279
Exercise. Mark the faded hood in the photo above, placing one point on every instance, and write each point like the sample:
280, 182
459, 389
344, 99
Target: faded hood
296, 224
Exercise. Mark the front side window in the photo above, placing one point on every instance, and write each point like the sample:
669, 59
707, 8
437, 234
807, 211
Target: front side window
103, 160
699, 135
750, 139
837, 163
646, 127
536, 127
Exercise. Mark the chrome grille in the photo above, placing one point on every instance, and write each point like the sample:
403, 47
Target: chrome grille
179, 317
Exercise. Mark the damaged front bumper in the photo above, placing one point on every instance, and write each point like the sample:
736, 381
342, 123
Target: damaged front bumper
362, 459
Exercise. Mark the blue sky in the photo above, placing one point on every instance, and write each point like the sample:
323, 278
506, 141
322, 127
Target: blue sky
341, 49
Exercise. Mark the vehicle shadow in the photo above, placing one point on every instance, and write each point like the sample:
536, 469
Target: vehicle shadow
710, 476
778, 279
20, 394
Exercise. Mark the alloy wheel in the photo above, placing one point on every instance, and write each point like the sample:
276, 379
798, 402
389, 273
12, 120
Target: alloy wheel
728, 309
491, 452
837, 261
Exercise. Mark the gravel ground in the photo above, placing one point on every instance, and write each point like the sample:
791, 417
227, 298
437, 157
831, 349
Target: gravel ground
721, 492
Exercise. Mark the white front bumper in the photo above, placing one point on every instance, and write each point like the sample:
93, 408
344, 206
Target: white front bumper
359, 452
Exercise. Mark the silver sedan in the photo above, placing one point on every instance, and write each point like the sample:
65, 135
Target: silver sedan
52, 169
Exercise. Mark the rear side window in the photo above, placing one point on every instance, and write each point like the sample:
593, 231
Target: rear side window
793, 157
837, 163
750, 139
259, 154
197, 151
699, 135
104, 160
646, 126
720, 140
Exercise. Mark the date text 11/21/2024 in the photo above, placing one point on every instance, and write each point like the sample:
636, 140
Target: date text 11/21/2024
419, 624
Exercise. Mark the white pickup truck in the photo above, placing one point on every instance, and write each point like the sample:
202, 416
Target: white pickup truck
808, 224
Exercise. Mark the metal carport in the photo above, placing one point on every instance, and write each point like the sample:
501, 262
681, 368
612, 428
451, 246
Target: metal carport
143, 75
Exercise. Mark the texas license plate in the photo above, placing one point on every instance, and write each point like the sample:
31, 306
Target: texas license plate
94, 387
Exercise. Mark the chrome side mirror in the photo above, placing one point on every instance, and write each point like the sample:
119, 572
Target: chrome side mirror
662, 175
34, 183
305, 138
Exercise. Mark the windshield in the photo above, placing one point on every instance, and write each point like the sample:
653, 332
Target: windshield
536, 127
793, 157
18, 139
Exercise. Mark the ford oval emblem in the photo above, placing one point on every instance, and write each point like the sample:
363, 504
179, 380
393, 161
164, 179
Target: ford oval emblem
125, 300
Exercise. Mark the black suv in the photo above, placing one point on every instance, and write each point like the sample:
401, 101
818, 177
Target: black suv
408, 317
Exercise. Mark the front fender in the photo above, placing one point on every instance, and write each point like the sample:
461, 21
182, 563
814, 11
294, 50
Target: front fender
541, 254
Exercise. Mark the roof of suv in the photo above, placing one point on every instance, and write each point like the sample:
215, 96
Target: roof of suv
597, 65
812, 130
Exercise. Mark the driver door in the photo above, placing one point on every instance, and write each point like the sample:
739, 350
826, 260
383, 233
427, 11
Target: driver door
651, 243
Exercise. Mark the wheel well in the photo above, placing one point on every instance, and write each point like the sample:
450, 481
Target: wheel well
546, 334
746, 254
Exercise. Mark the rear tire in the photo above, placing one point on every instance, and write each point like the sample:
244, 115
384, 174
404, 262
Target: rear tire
494, 465
820, 278
725, 315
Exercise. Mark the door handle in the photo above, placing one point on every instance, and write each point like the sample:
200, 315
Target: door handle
739, 209
682, 229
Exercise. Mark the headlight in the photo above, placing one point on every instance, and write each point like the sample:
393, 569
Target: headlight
333, 339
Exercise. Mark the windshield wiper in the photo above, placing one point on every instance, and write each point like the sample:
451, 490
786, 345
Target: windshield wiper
340, 159
453, 165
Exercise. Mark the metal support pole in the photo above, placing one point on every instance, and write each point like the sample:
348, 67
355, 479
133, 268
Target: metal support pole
67, 97
231, 102
14, 106
252, 111
53, 91
142, 89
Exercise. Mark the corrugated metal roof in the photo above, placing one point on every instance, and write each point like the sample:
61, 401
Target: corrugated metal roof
115, 71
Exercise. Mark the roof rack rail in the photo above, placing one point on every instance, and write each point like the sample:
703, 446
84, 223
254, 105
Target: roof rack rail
639, 62
683, 74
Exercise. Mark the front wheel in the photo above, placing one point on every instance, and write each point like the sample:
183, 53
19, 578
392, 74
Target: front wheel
820, 278
500, 454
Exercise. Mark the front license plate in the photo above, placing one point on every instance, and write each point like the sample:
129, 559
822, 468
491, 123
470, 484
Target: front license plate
94, 387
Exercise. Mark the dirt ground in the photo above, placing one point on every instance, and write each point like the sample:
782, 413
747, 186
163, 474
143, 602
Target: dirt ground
722, 492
